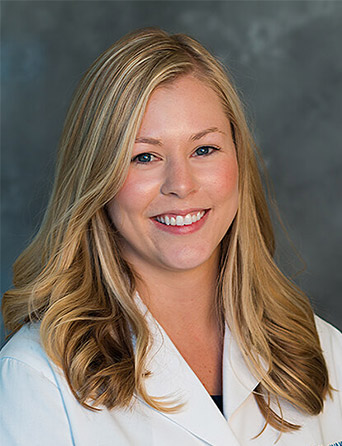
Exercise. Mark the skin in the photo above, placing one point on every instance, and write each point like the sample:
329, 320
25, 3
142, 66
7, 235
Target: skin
172, 172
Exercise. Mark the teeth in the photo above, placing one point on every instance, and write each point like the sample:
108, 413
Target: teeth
188, 219
179, 220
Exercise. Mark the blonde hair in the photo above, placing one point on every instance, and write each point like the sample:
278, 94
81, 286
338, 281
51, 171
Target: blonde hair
74, 279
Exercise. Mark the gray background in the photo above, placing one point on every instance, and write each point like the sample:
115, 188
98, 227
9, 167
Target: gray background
286, 61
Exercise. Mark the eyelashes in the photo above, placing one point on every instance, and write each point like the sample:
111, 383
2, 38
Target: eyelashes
147, 157
143, 158
205, 150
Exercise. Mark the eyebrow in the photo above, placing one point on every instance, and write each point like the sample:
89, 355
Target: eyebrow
200, 135
194, 137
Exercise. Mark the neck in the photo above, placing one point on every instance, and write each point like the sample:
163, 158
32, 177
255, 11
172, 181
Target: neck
181, 300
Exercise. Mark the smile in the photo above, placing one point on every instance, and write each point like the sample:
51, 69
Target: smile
180, 220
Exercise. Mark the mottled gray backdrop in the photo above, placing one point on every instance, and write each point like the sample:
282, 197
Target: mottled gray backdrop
285, 57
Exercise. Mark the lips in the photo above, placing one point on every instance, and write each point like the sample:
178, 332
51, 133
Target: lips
180, 218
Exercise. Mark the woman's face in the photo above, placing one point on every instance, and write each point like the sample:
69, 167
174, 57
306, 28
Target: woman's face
181, 193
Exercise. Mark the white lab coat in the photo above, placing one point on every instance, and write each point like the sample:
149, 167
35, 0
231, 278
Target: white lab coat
38, 408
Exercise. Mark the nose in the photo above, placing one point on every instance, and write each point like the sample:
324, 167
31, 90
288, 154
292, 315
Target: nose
179, 179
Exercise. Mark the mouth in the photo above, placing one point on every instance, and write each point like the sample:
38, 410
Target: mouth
173, 219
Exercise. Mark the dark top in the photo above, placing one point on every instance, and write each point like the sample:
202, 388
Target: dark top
218, 401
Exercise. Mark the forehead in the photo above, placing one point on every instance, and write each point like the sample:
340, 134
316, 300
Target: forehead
184, 104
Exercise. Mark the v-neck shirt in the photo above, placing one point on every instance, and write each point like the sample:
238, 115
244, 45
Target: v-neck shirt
218, 400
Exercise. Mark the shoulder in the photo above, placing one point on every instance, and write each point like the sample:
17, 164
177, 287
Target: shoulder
330, 337
32, 409
24, 352
331, 343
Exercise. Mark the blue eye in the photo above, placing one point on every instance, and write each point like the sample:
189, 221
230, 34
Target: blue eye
143, 158
205, 150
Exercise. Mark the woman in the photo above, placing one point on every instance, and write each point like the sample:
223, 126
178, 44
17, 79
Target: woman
148, 310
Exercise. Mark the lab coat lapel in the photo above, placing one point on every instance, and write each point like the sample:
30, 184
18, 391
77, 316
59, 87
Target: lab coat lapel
238, 381
171, 376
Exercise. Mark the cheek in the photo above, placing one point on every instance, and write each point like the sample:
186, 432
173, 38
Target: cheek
225, 184
132, 199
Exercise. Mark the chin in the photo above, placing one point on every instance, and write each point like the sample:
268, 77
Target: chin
189, 260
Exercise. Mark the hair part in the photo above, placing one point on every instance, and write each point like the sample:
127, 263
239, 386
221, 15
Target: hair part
76, 257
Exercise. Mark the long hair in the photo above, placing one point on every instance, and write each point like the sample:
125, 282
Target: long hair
74, 279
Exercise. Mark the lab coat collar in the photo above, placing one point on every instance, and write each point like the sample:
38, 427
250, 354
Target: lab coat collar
238, 381
171, 376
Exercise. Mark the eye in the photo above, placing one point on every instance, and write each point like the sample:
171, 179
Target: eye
143, 158
205, 150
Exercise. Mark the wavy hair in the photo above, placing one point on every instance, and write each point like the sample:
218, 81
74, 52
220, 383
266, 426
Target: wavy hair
74, 279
